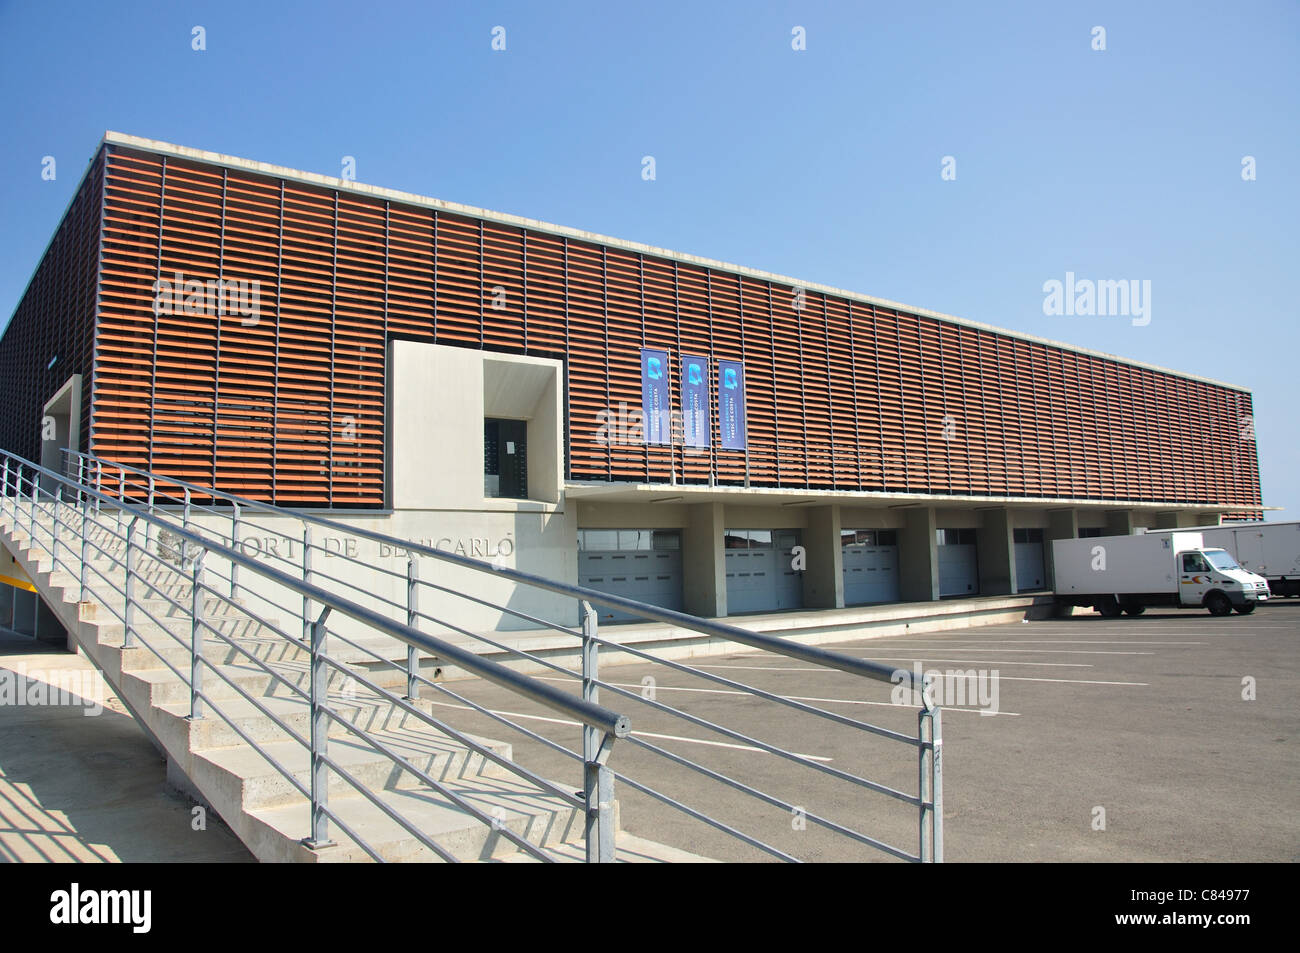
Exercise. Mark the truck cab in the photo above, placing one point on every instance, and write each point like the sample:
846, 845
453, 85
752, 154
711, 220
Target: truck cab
1212, 578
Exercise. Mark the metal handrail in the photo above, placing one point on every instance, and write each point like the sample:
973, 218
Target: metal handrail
721, 630
595, 718
926, 741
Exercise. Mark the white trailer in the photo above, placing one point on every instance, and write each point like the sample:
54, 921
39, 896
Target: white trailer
1270, 549
1115, 574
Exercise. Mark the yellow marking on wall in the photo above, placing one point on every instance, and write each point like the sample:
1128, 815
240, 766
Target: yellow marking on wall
17, 583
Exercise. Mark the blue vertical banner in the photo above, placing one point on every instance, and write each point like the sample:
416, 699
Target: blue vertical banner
731, 404
695, 401
656, 398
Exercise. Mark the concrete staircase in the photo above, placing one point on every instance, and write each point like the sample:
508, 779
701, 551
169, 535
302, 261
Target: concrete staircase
258, 674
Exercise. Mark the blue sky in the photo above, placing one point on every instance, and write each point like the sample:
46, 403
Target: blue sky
823, 164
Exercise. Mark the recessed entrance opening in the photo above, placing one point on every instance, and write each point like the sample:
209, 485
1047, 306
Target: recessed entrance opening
505, 458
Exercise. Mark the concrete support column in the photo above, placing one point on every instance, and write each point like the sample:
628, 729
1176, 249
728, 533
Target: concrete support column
1119, 523
996, 551
823, 580
1061, 524
704, 588
918, 556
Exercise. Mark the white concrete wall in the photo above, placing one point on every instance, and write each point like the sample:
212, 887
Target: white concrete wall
374, 575
439, 397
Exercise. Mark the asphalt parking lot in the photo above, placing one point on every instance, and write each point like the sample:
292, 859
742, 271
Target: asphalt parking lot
1123, 740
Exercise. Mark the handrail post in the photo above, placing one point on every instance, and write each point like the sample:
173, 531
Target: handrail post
196, 638
320, 824
36, 489
85, 548
99, 483
234, 544
4, 493
597, 780
148, 527
936, 783
54, 545
413, 620
306, 577
185, 518
121, 496
930, 786
129, 587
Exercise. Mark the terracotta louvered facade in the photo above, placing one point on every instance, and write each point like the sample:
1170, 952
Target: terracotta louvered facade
843, 392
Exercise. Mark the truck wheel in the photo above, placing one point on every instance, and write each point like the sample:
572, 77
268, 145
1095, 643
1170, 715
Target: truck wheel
1246, 609
1109, 608
1218, 604
1135, 610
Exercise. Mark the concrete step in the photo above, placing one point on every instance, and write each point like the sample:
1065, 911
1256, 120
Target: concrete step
538, 818
161, 685
262, 785
264, 641
213, 758
371, 713
157, 651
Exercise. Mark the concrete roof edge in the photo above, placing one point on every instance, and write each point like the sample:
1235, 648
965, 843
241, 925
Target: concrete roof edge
412, 198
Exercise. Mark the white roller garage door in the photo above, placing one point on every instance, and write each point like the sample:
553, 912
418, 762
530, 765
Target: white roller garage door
870, 566
958, 564
1030, 571
645, 565
759, 577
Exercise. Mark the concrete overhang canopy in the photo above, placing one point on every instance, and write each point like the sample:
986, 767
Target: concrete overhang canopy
513, 388
703, 493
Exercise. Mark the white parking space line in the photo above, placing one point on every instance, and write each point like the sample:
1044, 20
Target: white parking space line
829, 669
963, 642
1070, 681
854, 701
507, 714
640, 734
724, 744
793, 698
967, 648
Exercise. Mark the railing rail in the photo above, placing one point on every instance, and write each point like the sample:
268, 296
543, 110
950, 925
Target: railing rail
84, 516
203, 510
722, 630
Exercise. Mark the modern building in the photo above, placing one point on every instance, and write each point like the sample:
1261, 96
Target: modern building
477, 380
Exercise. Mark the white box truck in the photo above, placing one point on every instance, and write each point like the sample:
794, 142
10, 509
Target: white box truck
1115, 574
1270, 549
